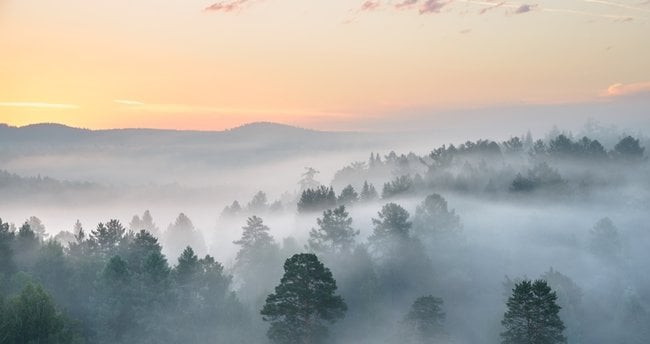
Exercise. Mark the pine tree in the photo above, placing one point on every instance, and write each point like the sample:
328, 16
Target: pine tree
424, 319
255, 242
348, 196
303, 302
368, 192
334, 233
532, 316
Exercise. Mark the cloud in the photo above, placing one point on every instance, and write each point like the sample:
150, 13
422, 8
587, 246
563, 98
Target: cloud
226, 6
39, 105
432, 6
370, 5
524, 8
465, 31
406, 4
619, 89
128, 102
491, 7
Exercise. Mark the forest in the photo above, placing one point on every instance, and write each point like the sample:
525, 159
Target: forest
516, 241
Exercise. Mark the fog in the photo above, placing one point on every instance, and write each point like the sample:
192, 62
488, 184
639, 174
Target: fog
484, 213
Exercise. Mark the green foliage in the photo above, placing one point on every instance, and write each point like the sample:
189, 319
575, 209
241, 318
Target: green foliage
31, 318
107, 237
255, 239
303, 302
7, 264
258, 260
532, 316
334, 233
187, 267
25, 247
392, 224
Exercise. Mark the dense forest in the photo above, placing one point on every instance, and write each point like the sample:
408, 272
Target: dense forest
520, 241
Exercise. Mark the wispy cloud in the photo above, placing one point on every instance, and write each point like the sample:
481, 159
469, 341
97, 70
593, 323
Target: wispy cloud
524, 8
128, 102
491, 7
627, 89
370, 5
226, 6
405, 4
39, 105
433, 6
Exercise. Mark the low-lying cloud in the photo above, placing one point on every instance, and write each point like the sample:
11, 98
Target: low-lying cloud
620, 89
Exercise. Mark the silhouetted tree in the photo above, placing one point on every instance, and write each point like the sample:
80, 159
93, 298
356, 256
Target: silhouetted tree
348, 196
391, 225
7, 263
604, 240
256, 244
258, 204
628, 149
334, 233
37, 227
532, 316
425, 320
433, 219
232, 210
317, 199
107, 237
146, 222
308, 181
368, 192
26, 245
303, 302
398, 186
181, 234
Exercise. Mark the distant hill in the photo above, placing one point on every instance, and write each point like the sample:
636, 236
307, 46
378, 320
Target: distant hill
141, 155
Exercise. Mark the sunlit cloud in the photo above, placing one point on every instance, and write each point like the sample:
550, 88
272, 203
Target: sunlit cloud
620, 89
491, 7
433, 6
226, 6
405, 4
370, 5
128, 102
38, 105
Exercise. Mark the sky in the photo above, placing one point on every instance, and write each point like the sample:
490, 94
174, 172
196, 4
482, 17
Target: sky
336, 64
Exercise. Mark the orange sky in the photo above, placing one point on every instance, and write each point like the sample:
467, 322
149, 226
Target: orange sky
174, 64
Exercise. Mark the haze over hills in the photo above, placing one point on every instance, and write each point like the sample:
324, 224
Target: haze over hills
33, 149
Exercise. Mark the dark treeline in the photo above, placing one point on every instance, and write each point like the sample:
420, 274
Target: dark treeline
387, 259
